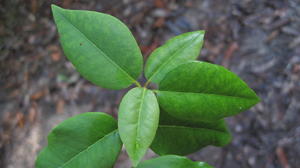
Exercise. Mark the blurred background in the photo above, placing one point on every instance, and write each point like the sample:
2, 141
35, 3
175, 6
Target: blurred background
257, 39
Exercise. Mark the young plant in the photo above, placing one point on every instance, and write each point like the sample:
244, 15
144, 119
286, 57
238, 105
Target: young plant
184, 114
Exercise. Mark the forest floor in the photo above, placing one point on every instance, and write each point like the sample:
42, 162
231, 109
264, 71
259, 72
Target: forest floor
257, 39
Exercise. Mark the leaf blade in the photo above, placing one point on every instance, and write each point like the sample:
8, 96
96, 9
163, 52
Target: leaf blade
138, 121
78, 141
182, 137
172, 161
104, 144
174, 52
97, 58
206, 92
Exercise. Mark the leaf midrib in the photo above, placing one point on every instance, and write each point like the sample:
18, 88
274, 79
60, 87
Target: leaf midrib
99, 50
172, 56
139, 117
193, 128
212, 94
86, 149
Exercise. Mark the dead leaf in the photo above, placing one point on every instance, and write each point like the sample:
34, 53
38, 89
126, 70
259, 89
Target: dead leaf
159, 22
55, 52
60, 106
20, 119
229, 53
159, 4
282, 157
39, 94
33, 113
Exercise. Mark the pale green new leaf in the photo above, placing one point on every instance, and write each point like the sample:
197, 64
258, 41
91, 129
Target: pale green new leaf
100, 47
176, 51
172, 161
202, 91
182, 137
138, 121
88, 140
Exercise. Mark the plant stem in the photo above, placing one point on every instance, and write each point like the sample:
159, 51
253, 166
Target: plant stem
137, 83
154, 90
147, 83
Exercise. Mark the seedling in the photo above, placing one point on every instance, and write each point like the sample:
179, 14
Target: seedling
182, 115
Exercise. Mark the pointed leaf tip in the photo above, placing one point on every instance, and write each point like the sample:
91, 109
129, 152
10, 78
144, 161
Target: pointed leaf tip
138, 122
96, 53
80, 141
176, 51
206, 92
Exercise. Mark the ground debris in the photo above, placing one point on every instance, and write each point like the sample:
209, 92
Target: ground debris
258, 40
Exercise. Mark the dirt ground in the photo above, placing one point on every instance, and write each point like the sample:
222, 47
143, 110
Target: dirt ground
257, 39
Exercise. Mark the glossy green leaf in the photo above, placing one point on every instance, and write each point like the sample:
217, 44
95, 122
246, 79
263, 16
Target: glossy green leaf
138, 121
182, 137
176, 51
88, 140
202, 91
172, 161
100, 47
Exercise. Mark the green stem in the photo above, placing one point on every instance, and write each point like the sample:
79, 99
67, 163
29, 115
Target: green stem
155, 90
147, 83
137, 83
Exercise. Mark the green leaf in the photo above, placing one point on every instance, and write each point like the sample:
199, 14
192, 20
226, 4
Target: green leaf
86, 140
176, 51
200, 91
100, 47
182, 137
172, 161
138, 121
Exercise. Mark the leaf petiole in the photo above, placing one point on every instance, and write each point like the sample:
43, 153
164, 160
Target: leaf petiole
137, 84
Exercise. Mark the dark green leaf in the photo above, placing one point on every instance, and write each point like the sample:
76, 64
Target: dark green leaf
172, 161
138, 121
87, 140
202, 91
176, 51
182, 137
100, 47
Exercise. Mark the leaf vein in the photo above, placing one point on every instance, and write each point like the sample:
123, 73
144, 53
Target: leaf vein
99, 50
171, 57
211, 94
86, 149
194, 128
139, 118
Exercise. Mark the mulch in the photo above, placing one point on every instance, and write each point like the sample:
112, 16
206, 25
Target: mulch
259, 40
